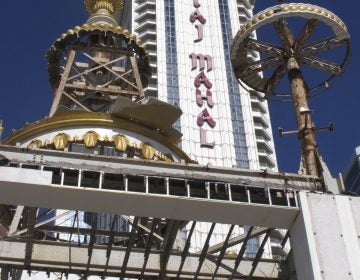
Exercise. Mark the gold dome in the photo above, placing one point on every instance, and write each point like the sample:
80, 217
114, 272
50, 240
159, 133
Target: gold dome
112, 6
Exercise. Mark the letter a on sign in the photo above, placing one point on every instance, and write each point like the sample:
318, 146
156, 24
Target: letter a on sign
196, 15
196, 3
204, 116
202, 79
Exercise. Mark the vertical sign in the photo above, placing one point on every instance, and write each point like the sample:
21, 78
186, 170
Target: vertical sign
202, 63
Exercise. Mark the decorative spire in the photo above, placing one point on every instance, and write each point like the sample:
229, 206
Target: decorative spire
1, 129
103, 10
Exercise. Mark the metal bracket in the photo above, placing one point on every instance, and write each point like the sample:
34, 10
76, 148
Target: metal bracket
329, 128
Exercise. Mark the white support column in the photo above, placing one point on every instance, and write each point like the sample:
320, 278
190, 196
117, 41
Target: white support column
325, 237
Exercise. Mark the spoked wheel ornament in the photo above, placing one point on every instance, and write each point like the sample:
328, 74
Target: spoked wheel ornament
309, 50
274, 58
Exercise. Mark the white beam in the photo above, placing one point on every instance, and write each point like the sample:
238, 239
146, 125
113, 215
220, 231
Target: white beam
147, 205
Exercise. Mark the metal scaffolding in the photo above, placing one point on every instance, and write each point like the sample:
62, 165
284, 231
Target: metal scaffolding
167, 197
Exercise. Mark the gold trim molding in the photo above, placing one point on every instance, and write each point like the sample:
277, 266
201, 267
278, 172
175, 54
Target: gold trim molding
92, 139
112, 6
74, 119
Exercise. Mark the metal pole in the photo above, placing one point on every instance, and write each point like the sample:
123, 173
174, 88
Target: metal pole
300, 94
1, 129
4, 273
303, 116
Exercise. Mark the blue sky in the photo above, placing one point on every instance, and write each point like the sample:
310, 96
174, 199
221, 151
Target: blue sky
30, 27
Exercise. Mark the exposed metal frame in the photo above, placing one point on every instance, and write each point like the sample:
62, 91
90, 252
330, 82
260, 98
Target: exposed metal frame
13, 252
59, 159
154, 231
274, 57
287, 59
77, 92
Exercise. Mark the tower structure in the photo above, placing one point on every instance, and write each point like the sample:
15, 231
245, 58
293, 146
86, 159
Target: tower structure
98, 71
223, 124
91, 65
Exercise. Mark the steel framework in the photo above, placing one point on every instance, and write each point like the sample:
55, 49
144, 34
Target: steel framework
168, 197
90, 66
288, 58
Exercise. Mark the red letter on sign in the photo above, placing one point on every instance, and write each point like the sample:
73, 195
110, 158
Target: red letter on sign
201, 58
204, 116
202, 79
200, 30
196, 3
196, 15
203, 140
200, 99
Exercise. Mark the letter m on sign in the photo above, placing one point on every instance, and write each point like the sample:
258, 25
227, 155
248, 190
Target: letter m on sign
200, 59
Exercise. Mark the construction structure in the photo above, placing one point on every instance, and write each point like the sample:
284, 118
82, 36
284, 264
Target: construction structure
107, 148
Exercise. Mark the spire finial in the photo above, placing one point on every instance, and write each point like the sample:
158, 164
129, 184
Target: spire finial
1, 129
98, 9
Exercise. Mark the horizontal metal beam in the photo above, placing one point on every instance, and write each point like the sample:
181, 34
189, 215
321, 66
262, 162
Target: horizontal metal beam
148, 205
55, 257
83, 231
156, 168
236, 240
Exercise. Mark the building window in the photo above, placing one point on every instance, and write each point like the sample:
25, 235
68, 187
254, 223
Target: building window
171, 57
242, 159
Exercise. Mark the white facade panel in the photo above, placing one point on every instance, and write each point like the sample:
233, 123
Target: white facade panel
161, 51
223, 153
173, 78
325, 237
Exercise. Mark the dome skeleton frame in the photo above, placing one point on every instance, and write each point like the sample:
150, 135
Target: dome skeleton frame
75, 68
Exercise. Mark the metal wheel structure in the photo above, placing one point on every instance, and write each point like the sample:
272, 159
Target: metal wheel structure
274, 58
290, 58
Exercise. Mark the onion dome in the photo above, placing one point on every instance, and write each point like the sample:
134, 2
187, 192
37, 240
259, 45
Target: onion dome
103, 10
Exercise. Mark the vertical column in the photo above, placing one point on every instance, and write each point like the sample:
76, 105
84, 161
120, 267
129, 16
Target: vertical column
4, 273
1, 129
303, 116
